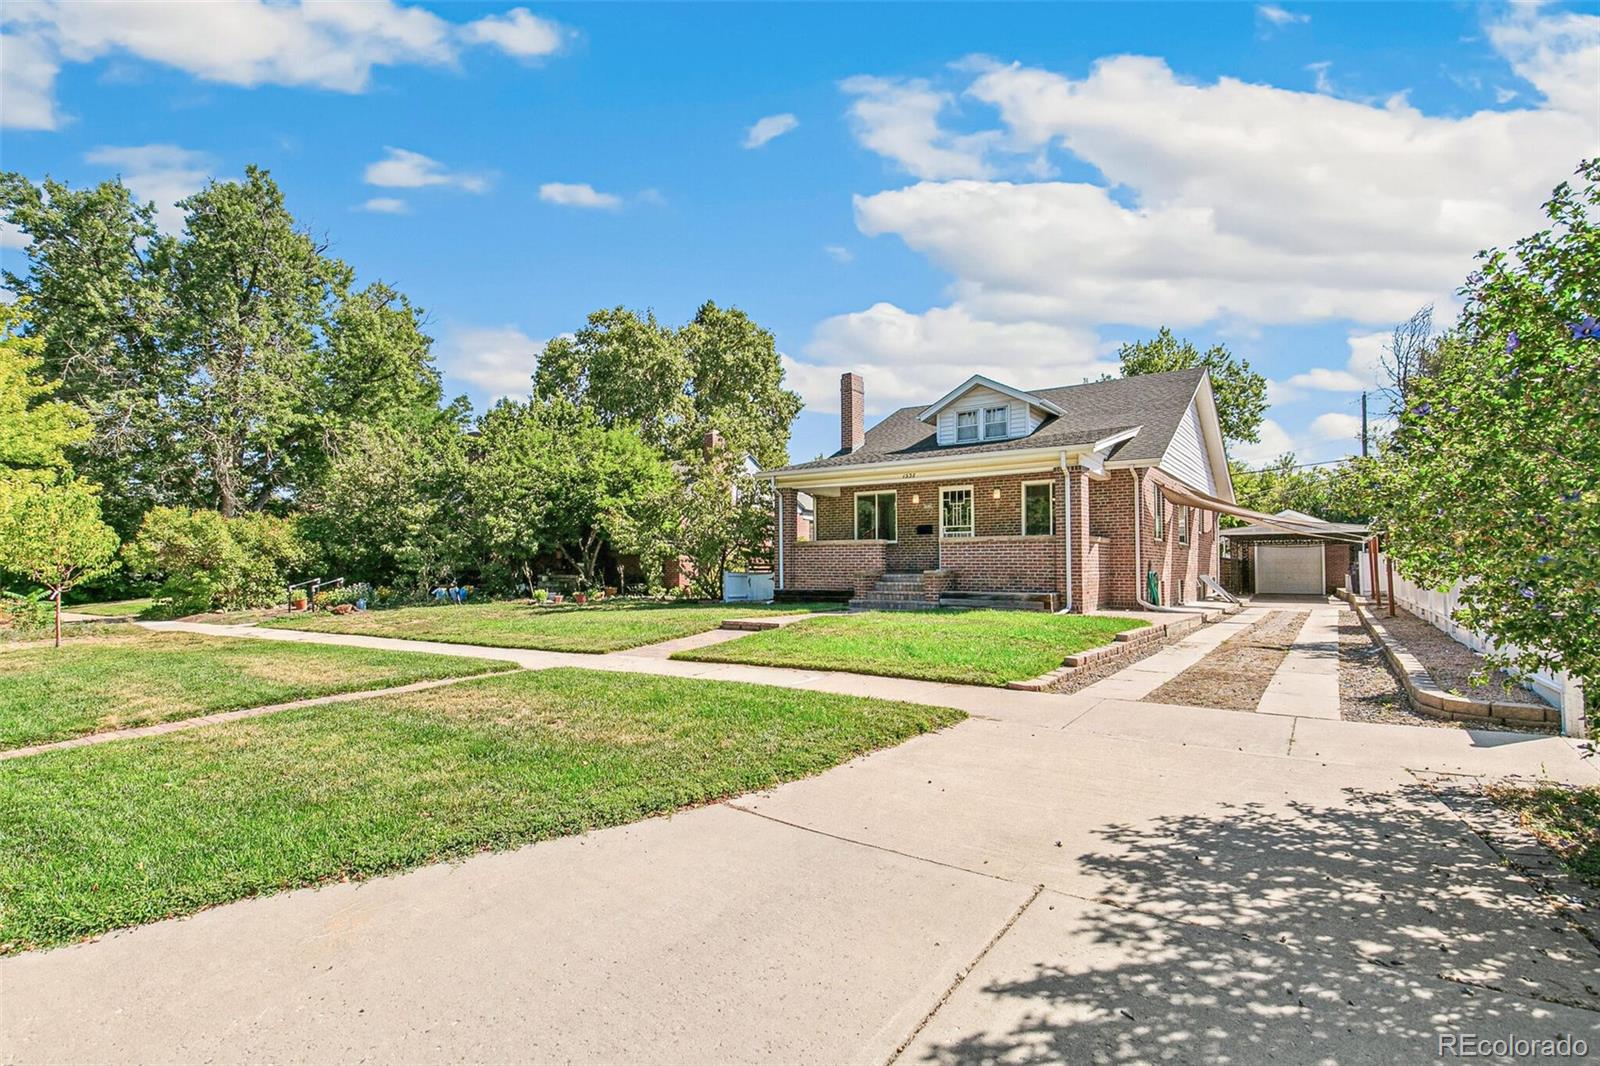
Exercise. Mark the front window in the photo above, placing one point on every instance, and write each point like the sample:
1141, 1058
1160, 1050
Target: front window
1038, 509
955, 512
995, 423
1158, 528
875, 516
966, 426
1183, 525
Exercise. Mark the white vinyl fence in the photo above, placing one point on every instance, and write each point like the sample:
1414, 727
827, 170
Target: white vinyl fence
1438, 609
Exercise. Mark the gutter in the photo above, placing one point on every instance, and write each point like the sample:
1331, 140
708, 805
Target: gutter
1138, 565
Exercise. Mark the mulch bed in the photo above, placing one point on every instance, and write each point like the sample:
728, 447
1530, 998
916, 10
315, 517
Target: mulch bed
1369, 691
1235, 674
1450, 663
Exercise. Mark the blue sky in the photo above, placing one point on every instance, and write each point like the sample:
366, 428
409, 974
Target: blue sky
1015, 189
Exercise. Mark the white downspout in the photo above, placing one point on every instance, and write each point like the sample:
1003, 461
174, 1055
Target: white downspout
1066, 534
1138, 563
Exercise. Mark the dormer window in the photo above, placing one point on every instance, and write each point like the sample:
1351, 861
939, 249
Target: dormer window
996, 424
966, 426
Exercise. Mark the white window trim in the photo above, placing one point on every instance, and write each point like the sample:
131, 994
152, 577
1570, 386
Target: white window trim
1023, 525
878, 516
1158, 523
972, 511
977, 425
1005, 421
1185, 520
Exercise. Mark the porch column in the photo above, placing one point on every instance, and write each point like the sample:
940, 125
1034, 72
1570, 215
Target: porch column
788, 527
1083, 581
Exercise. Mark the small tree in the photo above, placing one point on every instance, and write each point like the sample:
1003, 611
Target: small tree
1409, 354
52, 534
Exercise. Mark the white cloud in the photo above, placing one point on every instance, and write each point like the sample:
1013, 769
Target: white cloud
1277, 16
324, 44
580, 194
1219, 204
1336, 426
1559, 54
765, 129
838, 253
163, 173
27, 82
1275, 441
385, 205
900, 352
403, 169
899, 119
11, 237
498, 360
518, 33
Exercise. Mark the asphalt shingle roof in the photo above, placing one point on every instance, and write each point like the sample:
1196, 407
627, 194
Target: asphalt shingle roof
1093, 410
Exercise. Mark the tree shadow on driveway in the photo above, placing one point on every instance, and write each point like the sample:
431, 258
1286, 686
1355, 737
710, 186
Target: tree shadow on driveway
1358, 932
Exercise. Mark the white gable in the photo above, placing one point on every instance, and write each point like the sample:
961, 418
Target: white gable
1021, 418
1188, 456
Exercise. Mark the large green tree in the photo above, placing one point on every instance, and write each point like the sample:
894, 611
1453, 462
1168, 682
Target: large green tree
1493, 476
220, 365
551, 477
394, 507
720, 372
1241, 393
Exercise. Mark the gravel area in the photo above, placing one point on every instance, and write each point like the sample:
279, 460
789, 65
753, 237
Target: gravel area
1369, 691
1452, 664
1235, 674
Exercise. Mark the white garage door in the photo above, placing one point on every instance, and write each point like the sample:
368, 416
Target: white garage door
1289, 569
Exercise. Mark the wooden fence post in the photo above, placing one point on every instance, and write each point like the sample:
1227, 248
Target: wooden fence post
1389, 561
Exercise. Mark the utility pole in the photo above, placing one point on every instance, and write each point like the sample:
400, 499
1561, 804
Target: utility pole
1363, 425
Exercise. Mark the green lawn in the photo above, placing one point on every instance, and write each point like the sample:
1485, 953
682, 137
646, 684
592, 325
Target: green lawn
1566, 820
93, 839
133, 677
973, 647
602, 627
113, 608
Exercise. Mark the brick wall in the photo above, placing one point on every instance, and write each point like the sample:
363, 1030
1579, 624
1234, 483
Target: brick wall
1177, 565
1336, 564
832, 567
1007, 564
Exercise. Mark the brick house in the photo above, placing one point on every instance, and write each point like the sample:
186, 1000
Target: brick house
1072, 498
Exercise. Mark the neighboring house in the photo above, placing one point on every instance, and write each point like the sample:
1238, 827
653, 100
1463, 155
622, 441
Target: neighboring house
1298, 555
1081, 497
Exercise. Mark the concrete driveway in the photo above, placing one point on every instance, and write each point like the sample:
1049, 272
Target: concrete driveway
1078, 879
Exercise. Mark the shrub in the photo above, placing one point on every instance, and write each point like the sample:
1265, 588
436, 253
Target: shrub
26, 612
207, 562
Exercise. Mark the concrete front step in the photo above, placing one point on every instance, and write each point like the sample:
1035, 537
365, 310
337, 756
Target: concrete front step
875, 603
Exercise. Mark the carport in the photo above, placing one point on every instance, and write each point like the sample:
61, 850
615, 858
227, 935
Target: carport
1290, 554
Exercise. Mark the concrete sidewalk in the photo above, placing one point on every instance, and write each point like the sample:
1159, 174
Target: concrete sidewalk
1001, 889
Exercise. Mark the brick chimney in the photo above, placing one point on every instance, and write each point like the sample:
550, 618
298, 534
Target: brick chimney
852, 412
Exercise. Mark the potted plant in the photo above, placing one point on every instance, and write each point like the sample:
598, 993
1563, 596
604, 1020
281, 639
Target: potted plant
298, 601
557, 597
580, 598
540, 596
